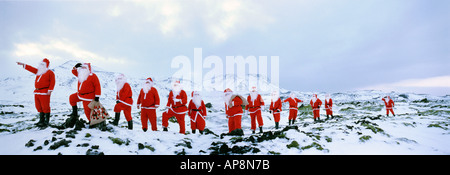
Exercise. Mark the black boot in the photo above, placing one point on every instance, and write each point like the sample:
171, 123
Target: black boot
116, 119
41, 119
290, 121
193, 131
47, 119
293, 121
165, 129
253, 132
276, 125
70, 122
327, 118
130, 124
260, 129
200, 131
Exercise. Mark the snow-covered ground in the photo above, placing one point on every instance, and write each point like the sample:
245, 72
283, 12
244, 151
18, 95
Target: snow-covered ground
421, 124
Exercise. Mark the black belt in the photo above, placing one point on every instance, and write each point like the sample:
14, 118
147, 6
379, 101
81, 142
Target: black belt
86, 93
178, 106
41, 88
196, 110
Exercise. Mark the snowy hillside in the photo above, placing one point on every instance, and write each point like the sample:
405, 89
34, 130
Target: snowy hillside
421, 124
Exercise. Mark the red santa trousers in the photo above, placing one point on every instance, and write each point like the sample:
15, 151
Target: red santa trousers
234, 122
42, 103
316, 112
197, 121
148, 115
178, 116
329, 111
126, 110
293, 113
73, 100
256, 115
389, 109
276, 116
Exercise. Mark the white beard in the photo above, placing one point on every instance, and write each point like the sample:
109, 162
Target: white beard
146, 87
197, 101
227, 98
292, 96
83, 74
275, 98
42, 68
314, 99
120, 84
176, 90
253, 95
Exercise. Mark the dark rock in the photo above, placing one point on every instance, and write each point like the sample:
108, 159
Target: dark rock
38, 148
30, 143
60, 143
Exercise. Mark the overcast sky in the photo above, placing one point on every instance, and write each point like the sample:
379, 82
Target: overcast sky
323, 45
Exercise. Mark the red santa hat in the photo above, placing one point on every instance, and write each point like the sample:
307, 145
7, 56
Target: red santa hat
88, 65
46, 61
227, 90
194, 92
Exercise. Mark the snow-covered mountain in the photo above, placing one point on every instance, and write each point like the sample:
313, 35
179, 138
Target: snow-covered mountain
421, 124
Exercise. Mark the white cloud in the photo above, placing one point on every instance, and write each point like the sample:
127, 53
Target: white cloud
439, 85
220, 19
440, 81
230, 17
61, 49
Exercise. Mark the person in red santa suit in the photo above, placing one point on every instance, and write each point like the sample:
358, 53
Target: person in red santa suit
43, 84
234, 112
315, 105
389, 103
88, 89
254, 107
329, 106
197, 112
176, 106
275, 107
124, 101
148, 102
293, 107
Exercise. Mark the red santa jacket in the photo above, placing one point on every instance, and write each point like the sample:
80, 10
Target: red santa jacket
293, 103
254, 105
195, 110
90, 88
388, 104
274, 106
235, 108
125, 95
316, 105
149, 100
43, 83
180, 106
